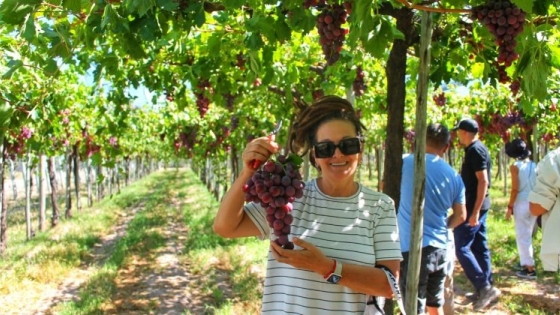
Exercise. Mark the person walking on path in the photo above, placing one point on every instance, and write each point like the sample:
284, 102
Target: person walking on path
523, 173
544, 199
444, 190
345, 234
471, 244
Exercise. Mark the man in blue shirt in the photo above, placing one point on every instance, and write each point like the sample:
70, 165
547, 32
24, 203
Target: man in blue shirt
444, 190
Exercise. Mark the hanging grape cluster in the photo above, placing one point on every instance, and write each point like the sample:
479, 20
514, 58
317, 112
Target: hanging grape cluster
439, 99
240, 61
505, 21
186, 139
89, 146
331, 33
202, 101
275, 186
500, 124
14, 147
229, 100
359, 86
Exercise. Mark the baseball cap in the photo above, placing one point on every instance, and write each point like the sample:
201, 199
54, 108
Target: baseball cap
467, 124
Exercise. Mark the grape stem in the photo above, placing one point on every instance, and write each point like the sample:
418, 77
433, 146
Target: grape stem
430, 9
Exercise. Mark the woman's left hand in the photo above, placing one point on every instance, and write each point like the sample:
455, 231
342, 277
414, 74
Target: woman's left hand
509, 212
308, 258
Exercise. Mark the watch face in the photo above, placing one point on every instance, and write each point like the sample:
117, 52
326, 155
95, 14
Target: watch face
334, 278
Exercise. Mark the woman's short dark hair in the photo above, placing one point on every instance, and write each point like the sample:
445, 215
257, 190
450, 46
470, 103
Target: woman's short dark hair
304, 131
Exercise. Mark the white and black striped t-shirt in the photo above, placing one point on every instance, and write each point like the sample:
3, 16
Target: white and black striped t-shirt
360, 229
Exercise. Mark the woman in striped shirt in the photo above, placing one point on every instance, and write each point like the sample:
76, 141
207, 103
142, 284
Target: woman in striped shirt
345, 234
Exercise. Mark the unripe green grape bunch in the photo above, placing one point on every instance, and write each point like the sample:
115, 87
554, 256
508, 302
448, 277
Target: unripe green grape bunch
275, 186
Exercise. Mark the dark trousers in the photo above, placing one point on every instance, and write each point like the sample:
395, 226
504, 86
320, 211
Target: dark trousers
471, 249
431, 280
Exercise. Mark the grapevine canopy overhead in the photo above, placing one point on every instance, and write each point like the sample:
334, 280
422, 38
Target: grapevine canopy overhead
217, 53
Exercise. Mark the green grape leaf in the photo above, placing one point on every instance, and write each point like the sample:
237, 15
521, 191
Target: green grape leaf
15, 11
282, 30
6, 112
141, 6
525, 5
29, 31
109, 16
555, 58
295, 159
72, 5
254, 62
200, 17
253, 41
215, 42
51, 67
168, 5
14, 66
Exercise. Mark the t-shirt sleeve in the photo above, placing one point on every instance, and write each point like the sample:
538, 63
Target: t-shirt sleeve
258, 216
386, 235
460, 196
547, 184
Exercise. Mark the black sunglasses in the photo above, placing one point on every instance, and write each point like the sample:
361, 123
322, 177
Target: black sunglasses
348, 146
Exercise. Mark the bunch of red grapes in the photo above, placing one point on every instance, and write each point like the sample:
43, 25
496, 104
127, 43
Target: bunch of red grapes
15, 146
229, 100
275, 186
505, 21
359, 85
89, 146
240, 61
186, 139
409, 135
331, 33
500, 124
439, 99
203, 102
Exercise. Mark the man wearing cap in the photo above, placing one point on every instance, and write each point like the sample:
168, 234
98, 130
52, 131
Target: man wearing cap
471, 245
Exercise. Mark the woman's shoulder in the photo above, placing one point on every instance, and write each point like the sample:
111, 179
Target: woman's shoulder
374, 194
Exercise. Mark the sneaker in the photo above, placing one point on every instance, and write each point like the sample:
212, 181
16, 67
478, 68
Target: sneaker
487, 296
472, 296
518, 267
526, 274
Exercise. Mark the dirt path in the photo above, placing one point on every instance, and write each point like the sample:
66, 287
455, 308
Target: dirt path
69, 289
159, 285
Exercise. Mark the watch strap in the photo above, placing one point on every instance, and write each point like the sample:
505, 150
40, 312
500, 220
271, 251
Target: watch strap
336, 275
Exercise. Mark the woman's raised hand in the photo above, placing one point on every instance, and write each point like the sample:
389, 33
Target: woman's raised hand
260, 149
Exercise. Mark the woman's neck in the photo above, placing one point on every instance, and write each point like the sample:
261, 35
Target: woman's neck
339, 188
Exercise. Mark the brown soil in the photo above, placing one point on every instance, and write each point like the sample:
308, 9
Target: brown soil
542, 294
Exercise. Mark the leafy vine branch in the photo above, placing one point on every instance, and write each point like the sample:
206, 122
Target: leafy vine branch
430, 9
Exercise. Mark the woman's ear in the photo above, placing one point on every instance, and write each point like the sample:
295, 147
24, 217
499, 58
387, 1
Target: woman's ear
312, 159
